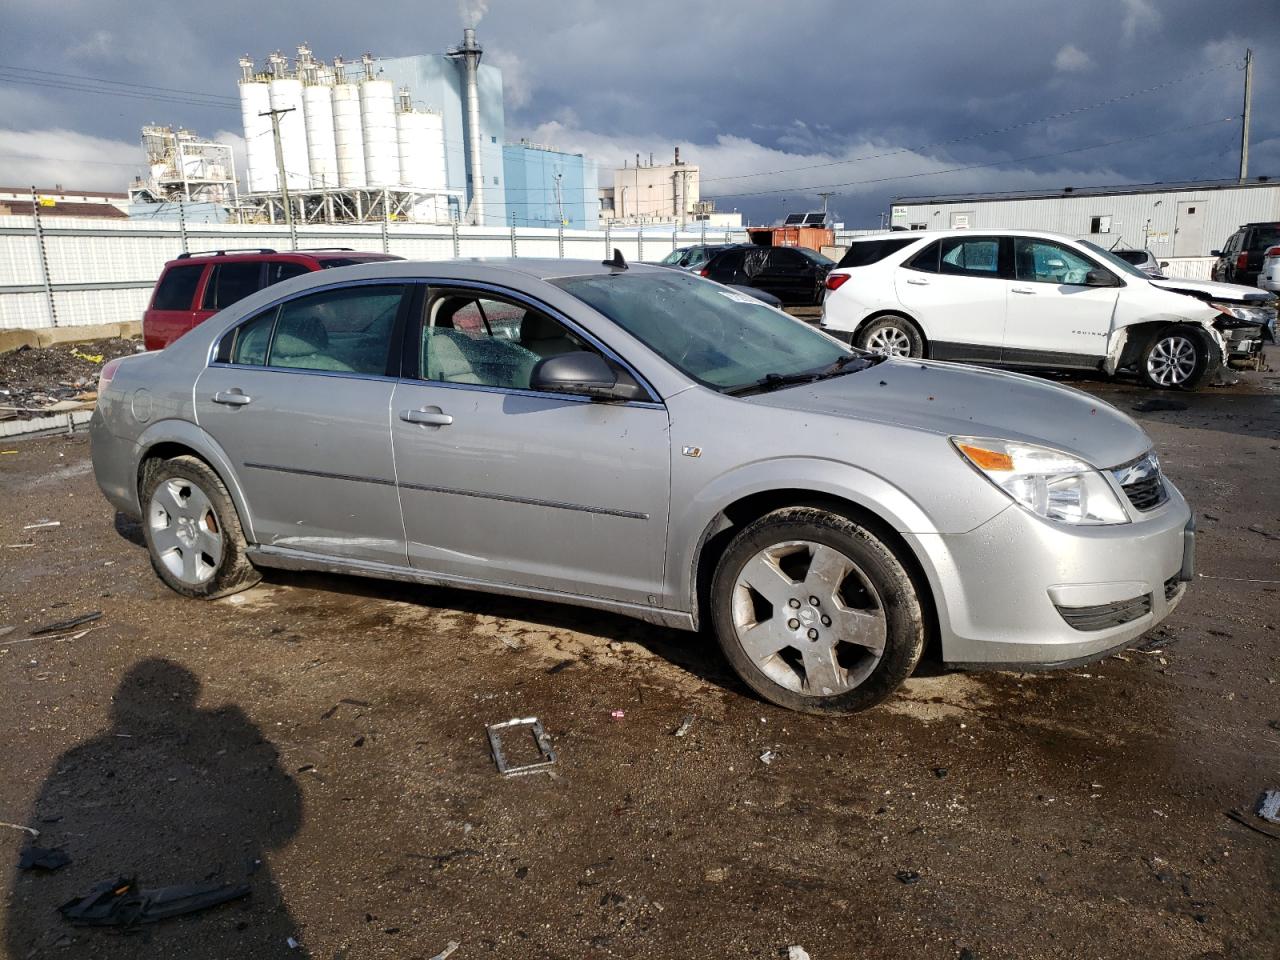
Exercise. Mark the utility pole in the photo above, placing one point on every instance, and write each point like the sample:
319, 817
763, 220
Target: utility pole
827, 195
1248, 108
284, 186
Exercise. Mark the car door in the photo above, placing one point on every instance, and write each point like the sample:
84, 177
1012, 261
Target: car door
956, 289
1053, 316
788, 275
504, 484
299, 397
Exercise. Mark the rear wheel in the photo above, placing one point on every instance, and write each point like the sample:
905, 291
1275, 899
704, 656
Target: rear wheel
1175, 358
893, 336
815, 613
193, 531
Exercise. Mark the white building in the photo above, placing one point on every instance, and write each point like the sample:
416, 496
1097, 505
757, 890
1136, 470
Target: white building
1172, 219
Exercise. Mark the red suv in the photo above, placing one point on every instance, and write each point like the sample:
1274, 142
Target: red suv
197, 285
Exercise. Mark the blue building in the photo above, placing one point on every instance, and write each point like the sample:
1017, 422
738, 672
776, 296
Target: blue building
546, 187
436, 81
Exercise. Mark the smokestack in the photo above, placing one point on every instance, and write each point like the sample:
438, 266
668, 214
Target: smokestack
677, 156
469, 53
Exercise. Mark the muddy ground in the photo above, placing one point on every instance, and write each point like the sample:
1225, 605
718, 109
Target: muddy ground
322, 739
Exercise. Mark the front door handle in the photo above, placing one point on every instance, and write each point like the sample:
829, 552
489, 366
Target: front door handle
918, 281
1021, 290
432, 418
232, 398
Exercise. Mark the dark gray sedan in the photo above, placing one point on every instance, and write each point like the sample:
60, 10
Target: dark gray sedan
648, 442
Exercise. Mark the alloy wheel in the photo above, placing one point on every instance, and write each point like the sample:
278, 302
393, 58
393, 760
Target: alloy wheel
809, 618
890, 341
185, 533
1172, 361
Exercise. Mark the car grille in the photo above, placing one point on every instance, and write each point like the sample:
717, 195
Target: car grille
1142, 483
1106, 615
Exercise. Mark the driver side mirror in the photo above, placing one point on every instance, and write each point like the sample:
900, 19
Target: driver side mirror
585, 374
1099, 278
1215, 253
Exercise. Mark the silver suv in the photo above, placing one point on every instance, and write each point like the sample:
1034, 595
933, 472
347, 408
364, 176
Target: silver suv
647, 442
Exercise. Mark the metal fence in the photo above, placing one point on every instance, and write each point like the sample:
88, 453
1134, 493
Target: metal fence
66, 272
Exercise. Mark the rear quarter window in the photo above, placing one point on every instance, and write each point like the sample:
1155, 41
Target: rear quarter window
177, 288
873, 251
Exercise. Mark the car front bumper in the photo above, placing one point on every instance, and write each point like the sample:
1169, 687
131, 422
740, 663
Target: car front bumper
1009, 592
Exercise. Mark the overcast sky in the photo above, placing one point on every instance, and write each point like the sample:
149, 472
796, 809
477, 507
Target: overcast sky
775, 100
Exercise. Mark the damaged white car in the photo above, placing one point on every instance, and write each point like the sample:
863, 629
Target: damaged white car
1039, 300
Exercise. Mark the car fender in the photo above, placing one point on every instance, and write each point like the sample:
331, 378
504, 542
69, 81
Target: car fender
701, 515
204, 446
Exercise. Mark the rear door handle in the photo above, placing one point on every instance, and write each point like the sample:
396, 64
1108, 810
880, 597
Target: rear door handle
1021, 290
232, 398
918, 281
433, 418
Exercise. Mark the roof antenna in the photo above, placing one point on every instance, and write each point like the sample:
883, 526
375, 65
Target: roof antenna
617, 263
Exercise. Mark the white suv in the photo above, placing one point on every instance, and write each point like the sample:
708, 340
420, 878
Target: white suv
1031, 299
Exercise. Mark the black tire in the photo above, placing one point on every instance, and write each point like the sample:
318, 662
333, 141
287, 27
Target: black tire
892, 326
1176, 357
886, 590
212, 576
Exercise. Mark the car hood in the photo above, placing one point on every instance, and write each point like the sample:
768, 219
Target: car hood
954, 400
1211, 290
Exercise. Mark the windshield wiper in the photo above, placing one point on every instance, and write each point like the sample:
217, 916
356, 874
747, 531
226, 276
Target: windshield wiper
775, 381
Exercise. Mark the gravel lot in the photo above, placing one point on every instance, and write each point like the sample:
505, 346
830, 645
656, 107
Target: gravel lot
333, 729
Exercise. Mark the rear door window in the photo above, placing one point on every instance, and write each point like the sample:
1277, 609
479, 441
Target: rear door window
786, 261
248, 345
970, 256
347, 330
177, 288
231, 282
873, 251
926, 260
278, 270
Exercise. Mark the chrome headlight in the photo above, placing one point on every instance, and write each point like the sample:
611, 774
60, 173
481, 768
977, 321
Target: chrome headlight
1261, 316
1048, 482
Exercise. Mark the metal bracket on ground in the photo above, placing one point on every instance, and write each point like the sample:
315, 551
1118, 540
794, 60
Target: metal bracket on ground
540, 738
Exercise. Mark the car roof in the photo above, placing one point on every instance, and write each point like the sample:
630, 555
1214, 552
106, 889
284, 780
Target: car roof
265, 253
478, 269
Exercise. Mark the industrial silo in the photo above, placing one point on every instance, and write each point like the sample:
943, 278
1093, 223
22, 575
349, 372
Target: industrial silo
322, 155
378, 112
286, 95
348, 130
255, 99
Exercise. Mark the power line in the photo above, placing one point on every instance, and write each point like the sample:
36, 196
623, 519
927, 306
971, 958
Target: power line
975, 166
986, 133
158, 97
79, 77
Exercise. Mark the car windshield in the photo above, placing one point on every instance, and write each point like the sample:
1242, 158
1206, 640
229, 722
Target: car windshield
1111, 259
724, 339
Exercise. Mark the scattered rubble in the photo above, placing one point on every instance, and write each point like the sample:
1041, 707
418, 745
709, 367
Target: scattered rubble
547, 755
39, 380
1268, 806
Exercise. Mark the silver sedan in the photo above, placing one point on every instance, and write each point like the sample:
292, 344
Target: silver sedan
648, 442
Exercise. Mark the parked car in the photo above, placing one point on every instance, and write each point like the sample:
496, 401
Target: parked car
691, 258
1144, 260
1269, 275
764, 296
1039, 300
792, 274
194, 287
1240, 259
634, 440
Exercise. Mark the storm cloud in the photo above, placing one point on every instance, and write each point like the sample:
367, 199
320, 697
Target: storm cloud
774, 101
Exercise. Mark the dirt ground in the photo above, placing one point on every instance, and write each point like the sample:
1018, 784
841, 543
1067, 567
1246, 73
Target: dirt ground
322, 739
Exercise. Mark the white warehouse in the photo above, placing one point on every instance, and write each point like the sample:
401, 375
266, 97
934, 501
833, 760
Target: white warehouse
1188, 219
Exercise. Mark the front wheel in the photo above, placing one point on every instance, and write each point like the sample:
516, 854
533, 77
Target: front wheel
815, 613
893, 336
1174, 359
